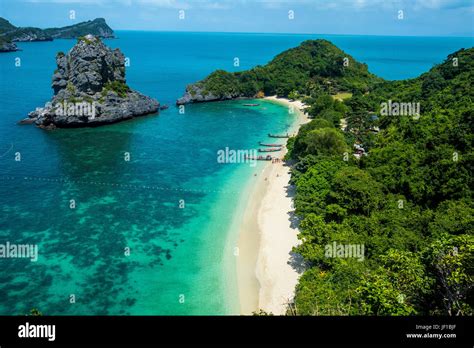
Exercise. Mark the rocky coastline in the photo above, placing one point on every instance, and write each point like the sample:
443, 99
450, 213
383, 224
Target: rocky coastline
195, 93
9, 34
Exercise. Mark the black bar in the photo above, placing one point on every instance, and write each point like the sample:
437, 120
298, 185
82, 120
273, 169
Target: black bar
241, 330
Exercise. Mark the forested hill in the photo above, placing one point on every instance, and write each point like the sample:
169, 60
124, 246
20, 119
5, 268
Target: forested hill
312, 67
10, 33
396, 182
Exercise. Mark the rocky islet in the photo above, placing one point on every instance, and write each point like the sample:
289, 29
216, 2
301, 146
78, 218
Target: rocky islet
90, 89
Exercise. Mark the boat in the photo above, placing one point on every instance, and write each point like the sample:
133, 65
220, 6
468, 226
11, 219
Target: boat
259, 158
272, 149
251, 104
271, 145
278, 136
164, 107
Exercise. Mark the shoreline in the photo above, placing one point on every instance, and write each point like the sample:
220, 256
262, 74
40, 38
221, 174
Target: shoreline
266, 279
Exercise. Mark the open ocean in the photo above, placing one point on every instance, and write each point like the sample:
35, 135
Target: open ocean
182, 259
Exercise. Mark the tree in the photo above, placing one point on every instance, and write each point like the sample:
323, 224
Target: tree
355, 190
325, 141
293, 95
323, 102
407, 273
451, 260
332, 116
378, 296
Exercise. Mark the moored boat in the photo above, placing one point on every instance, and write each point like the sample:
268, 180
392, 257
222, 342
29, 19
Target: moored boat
259, 158
272, 149
270, 145
278, 135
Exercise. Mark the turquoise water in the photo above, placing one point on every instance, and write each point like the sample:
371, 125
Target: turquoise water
176, 253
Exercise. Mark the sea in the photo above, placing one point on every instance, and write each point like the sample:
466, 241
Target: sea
138, 217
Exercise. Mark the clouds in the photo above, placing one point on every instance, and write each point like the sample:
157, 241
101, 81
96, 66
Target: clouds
181, 4
275, 4
444, 4
376, 17
360, 4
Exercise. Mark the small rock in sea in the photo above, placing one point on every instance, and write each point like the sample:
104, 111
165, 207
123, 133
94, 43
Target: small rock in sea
90, 89
27, 121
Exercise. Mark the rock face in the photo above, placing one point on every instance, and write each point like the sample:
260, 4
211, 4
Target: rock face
7, 46
219, 85
196, 94
28, 35
90, 89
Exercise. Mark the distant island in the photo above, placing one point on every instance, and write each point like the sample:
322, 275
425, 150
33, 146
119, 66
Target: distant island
9, 34
90, 89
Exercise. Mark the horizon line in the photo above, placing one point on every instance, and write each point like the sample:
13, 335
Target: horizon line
276, 33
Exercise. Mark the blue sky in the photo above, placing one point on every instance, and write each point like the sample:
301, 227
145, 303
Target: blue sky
358, 17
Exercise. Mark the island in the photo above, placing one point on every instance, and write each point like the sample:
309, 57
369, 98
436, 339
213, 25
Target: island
90, 89
9, 34
315, 64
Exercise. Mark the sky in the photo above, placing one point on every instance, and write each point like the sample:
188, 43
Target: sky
354, 17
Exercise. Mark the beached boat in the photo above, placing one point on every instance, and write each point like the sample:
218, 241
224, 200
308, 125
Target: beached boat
278, 135
259, 158
271, 149
270, 145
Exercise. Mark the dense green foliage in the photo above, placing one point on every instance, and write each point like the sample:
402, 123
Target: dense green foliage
408, 201
117, 86
9, 32
5, 25
312, 67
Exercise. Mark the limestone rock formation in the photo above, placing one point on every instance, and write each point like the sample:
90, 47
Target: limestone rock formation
90, 89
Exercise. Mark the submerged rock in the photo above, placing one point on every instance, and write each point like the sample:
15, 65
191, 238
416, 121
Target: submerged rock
90, 89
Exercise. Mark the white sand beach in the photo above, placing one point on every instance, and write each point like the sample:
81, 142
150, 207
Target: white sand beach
266, 273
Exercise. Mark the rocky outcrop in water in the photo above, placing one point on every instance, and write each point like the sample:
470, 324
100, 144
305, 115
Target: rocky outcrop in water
196, 93
220, 85
90, 89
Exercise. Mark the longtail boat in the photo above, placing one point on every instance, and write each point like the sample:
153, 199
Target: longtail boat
271, 149
259, 158
278, 136
271, 145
